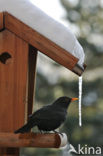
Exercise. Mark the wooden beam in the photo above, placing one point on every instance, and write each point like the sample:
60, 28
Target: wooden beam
1, 21
79, 70
40, 42
32, 59
51, 140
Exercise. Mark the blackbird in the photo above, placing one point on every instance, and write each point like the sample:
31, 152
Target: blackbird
49, 117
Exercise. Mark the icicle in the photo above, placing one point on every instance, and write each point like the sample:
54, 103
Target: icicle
80, 99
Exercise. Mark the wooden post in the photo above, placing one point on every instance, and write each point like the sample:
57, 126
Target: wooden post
32, 58
13, 84
1, 21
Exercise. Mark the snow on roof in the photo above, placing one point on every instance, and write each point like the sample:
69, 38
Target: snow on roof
35, 18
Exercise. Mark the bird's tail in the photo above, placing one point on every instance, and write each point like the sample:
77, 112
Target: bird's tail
25, 128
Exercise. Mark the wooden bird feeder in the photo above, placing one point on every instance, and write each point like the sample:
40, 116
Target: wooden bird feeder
19, 45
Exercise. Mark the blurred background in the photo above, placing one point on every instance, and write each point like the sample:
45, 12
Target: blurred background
85, 19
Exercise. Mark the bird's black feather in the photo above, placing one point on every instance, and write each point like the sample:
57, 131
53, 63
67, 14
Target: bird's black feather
49, 117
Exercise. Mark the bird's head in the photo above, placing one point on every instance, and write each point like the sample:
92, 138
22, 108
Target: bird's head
64, 101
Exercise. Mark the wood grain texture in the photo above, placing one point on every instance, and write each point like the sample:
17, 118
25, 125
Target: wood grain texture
13, 79
40, 42
30, 140
1, 21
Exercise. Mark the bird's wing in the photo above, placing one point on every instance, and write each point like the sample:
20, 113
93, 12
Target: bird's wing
45, 113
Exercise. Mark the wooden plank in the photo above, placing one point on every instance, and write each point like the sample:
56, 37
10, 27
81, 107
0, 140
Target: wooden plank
52, 140
40, 42
31, 77
1, 21
13, 79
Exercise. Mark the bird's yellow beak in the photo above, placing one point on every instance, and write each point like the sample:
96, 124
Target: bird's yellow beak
74, 99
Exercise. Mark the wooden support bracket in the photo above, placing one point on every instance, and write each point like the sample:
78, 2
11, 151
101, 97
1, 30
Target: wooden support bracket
50, 140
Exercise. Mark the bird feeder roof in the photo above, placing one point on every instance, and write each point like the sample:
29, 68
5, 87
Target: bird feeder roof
46, 28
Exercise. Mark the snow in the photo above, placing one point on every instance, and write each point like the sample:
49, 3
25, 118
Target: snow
29, 14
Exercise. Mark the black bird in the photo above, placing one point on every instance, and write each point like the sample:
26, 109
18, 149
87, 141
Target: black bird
49, 117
